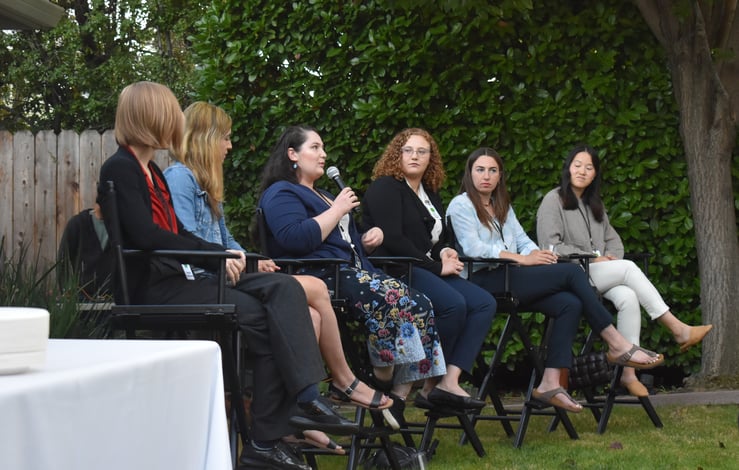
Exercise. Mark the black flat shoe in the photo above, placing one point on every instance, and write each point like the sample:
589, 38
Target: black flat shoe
441, 397
319, 414
422, 402
276, 457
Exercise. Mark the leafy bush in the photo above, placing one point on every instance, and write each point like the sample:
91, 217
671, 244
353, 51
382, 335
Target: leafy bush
531, 84
24, 283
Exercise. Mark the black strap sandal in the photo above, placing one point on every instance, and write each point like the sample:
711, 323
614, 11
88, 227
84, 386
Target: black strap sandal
345, 396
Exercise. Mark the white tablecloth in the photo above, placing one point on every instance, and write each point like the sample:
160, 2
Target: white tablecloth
117, 404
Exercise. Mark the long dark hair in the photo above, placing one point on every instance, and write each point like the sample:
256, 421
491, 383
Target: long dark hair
500, 199
279, 167
591, 195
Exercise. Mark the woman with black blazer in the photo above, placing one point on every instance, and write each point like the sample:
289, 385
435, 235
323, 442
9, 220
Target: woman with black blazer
403, 201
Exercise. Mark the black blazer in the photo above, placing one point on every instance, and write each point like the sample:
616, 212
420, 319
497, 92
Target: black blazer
138, 229
394, 207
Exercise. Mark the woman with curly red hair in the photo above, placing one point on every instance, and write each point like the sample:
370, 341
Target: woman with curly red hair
403, 201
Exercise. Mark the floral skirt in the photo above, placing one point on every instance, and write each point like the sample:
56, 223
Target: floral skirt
400, 322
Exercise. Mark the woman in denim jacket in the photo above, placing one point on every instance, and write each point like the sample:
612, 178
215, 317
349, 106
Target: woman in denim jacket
196, 184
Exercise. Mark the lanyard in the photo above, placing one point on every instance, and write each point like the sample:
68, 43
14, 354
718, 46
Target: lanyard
344, 233
499, 229
586, 218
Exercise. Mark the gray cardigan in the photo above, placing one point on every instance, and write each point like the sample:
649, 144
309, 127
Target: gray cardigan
567, 230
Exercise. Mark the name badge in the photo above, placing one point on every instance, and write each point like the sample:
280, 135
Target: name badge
188, 272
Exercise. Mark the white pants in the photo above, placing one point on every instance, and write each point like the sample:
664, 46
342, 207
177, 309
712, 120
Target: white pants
623, 283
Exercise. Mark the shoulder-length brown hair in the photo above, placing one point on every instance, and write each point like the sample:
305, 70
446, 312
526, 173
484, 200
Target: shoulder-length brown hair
148, 114
499, 199
389, 163
206, 125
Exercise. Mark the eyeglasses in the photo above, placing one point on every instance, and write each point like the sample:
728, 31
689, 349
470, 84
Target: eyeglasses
421, 152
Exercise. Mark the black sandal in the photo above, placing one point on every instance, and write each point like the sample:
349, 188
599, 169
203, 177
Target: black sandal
345, 397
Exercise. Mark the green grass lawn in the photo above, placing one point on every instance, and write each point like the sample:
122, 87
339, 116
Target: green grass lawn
693, 437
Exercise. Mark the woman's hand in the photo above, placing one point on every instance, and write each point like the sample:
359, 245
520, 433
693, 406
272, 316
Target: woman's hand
450, 264
537, 257
267, 266
372, 238
234, 266
603, 258
346, 200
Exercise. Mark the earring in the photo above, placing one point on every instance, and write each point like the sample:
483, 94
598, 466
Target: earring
295, 166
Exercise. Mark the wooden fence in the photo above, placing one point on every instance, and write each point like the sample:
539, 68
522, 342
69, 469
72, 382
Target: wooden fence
44, 180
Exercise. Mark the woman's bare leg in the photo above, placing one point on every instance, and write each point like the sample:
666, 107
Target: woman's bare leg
329, 339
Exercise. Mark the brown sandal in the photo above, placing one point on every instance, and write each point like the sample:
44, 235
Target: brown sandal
625, 358
551, 398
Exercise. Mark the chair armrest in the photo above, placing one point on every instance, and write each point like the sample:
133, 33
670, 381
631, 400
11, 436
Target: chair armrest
642, 257
577, 256
175, 253
292, 263
385, 262
382, 260
505, 262
474, 259
582, 258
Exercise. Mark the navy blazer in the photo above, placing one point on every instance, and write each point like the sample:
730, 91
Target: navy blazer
394, 207
289, 209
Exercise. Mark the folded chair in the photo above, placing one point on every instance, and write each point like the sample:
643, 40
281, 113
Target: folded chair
218, 318
366, 440
601, 405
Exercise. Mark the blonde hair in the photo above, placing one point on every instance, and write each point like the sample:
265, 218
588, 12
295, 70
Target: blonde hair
206, 125
149, 114
390, 163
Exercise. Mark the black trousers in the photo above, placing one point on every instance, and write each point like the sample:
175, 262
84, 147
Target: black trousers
274, 318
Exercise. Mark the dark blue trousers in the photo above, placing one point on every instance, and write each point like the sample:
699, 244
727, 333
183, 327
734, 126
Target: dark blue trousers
560, 291
463, 312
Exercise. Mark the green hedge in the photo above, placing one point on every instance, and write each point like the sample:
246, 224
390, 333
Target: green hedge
530, 85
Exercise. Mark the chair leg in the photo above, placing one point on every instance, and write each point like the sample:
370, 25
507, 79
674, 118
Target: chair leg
469, 431
238, 411
649, 409
428, 433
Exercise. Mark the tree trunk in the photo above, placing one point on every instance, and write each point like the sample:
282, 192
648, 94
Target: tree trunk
708, 131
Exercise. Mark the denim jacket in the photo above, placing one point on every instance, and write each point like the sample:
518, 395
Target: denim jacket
192, 208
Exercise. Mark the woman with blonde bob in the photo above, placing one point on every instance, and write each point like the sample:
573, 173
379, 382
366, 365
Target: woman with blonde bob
273, 313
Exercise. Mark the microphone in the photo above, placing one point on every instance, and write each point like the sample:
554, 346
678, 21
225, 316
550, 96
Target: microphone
333, 173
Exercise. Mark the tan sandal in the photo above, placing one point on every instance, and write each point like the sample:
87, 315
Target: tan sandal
625, 358
551, 398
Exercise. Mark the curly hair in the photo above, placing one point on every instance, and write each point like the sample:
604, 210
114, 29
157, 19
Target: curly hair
390, 163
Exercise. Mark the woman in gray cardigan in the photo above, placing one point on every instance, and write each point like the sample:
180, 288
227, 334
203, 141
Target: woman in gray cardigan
572, 219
